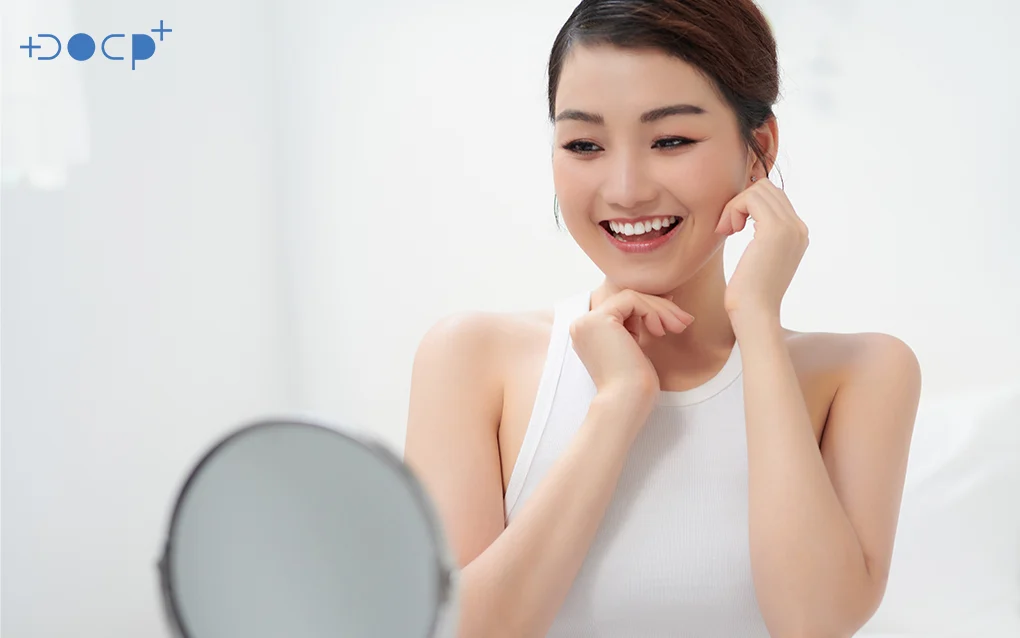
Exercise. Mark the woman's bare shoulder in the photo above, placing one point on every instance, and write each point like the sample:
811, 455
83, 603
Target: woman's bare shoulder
488, 336
827, 361
472, 360
843, 350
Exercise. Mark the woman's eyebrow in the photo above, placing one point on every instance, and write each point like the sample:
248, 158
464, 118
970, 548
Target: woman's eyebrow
649, 116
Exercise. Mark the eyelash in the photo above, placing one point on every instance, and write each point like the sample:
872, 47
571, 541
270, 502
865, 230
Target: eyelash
683, 141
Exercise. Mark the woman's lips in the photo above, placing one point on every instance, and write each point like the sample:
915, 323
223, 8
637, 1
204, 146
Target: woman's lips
643, 243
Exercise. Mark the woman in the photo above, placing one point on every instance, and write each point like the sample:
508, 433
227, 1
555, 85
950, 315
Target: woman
659, 456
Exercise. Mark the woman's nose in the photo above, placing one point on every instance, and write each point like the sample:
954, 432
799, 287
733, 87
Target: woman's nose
628, 183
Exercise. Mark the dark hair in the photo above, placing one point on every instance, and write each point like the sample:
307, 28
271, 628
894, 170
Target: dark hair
729, 41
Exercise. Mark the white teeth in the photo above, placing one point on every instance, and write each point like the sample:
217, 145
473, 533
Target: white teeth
640, 228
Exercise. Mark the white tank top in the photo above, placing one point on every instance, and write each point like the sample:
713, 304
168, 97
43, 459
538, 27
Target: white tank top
671, 557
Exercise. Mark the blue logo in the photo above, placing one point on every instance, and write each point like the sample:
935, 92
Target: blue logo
81, 46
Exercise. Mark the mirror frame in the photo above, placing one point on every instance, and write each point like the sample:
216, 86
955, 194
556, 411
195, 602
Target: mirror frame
446, 567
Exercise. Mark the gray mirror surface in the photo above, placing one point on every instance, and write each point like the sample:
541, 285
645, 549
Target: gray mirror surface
289, 529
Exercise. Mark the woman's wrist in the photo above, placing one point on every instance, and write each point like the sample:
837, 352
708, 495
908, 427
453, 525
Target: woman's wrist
622, 409
751, 323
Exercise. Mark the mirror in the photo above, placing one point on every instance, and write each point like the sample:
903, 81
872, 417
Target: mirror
291, 528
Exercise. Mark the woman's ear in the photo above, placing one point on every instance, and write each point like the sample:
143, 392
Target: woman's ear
767, 136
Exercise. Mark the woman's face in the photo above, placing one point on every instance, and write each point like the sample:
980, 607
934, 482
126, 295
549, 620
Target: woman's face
616, 161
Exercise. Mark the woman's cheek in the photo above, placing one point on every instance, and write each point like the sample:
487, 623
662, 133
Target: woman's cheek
576, 187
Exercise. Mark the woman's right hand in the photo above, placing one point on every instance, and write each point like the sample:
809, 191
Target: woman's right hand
608, 341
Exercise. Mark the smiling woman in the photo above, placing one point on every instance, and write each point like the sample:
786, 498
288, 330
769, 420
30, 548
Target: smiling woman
614, 467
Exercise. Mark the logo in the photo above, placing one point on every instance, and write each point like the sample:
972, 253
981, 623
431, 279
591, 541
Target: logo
82, 46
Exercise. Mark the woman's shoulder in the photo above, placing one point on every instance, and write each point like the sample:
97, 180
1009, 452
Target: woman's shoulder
478, 327
828, 363
845, 354
847, 347
488, 338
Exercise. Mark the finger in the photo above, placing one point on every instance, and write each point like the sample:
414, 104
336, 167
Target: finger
655, 324
740, 223
732, 219
685, 317
785, 208
657, 313
760, 206
670, 320
649, 317
657, 321
660, 315
635, 325
673, 319
673, 310
724, 227
630, 309
780, 204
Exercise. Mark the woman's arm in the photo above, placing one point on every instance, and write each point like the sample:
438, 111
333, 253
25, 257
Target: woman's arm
514, 580
822, 522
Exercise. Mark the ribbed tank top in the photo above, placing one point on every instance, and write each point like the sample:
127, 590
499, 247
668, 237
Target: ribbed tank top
671, 556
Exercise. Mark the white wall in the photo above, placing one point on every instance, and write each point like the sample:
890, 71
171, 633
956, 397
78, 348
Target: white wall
141, 312
287, 195
897, 138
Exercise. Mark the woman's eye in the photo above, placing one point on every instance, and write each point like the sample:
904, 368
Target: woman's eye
582, 148
674, 142
587, 148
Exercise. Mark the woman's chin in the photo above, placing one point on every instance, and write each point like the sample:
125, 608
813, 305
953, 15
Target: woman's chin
647, 284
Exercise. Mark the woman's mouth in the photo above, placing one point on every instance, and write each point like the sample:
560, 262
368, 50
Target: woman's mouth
641, 236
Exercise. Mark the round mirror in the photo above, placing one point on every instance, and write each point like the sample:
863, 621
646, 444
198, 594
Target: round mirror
295, 529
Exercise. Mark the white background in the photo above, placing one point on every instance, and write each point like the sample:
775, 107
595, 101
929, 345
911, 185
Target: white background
278, 204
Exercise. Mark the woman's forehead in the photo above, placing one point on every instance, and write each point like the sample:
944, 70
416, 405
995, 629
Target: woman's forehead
629, 82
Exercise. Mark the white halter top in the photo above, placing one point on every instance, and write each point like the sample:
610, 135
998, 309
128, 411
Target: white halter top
671, 557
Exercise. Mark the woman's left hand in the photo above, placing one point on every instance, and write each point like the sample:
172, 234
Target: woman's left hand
767, 266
